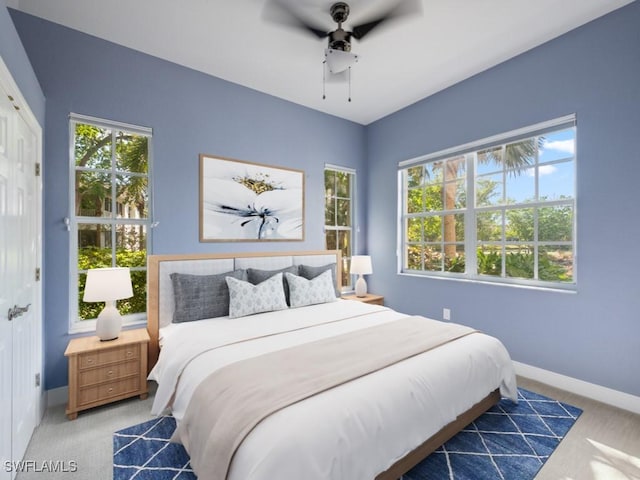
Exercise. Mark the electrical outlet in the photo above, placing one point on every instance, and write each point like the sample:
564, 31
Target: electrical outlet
446, 314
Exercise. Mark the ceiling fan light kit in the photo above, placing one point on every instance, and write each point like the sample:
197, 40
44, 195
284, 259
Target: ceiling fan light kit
338, 56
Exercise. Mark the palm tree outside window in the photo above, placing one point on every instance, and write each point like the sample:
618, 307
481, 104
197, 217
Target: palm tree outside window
500, 209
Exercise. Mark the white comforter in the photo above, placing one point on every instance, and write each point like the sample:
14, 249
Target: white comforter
353, 431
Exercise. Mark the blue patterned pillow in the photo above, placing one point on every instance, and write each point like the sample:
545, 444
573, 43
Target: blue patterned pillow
247, 299
310, 292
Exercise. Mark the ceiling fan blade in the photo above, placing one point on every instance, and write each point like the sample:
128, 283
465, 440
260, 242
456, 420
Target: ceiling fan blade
281, 12
400, 9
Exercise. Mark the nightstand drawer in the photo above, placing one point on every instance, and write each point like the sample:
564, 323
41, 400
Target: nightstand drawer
107, 356
105, 391
89, 377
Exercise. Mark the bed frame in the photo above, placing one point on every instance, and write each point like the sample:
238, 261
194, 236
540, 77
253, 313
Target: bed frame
160, 309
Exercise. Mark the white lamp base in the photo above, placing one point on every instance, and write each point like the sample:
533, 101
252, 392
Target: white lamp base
361, 287
109, 323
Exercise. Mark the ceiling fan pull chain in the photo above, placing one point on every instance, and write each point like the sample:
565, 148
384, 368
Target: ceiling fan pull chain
349, 83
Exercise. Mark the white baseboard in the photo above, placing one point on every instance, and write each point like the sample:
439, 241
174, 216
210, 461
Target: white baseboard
57, 396
579, 387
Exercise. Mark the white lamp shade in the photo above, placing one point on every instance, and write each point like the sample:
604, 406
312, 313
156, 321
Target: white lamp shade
107, 284
361, 265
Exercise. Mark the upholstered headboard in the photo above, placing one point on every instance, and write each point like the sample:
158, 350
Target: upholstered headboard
160, 298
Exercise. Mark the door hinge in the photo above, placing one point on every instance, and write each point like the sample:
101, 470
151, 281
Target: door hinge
37, 379
37, 169
38, 274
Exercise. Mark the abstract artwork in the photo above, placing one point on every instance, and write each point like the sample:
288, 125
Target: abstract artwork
246, 201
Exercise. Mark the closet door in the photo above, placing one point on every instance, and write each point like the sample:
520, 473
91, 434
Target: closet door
20, 346
6, 289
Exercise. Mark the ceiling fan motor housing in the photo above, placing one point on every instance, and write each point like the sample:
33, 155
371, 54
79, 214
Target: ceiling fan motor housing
340, 40
339, 12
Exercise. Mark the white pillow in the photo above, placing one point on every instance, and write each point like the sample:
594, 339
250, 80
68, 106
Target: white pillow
247, 299
310, 292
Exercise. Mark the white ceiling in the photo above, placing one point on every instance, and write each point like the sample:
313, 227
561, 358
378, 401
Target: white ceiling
400, 63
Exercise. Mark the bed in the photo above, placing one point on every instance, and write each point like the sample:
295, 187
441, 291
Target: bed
377, 424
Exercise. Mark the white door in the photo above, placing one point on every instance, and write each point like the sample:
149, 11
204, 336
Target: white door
20, 346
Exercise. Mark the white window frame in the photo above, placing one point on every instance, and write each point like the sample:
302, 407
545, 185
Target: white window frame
471, 210
76, 325
350, 228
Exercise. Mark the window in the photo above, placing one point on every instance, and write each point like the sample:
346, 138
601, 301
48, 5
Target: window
339, 195
111, 212
500, 209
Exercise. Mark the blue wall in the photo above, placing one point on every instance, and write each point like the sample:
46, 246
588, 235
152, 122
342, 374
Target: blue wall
15, 58
190, 113
594, 71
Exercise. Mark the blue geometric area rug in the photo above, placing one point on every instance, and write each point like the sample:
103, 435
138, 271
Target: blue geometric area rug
509, 442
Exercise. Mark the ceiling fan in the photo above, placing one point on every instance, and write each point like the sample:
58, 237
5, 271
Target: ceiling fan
287, 12
338, 56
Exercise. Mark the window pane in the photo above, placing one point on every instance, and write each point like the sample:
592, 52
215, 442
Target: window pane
92, 146
414, 200
433, 198
490, 260
489, 226
329, 211
451, 228
520, 186
555, 224
520, 262
489, 190
454, 258
454, 195
414, 230
520, 155
556, 181
344, 242
433, 258
331, 239
343, 184
415, 176
94, 246
558, 145
520, 226
489, 160
414, 257
131, 152
555, 264
433, 229
132, 198
131, 245
329, 182
344, 213
93, 194
137, 303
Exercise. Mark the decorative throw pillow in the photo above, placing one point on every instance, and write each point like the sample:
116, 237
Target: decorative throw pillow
309, 272
247, 299
201, 296
311, 292
255, 276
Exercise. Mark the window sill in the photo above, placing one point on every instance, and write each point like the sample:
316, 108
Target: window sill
555, 288
86, 326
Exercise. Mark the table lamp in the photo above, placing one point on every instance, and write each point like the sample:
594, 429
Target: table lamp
108, 285
361, 265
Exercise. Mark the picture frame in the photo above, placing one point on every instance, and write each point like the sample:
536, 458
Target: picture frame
244, 201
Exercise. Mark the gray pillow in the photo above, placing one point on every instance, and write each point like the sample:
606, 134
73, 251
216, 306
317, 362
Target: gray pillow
201, 296
256, 276
309, 272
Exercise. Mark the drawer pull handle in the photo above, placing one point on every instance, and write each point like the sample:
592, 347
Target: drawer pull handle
129, 353
110, 389
90, 360
110, 372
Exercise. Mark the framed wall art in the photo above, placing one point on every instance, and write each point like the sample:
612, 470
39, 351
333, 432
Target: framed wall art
245, 201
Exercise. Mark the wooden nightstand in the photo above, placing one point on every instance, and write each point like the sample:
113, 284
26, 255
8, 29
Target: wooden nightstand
369, 298
103, 372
